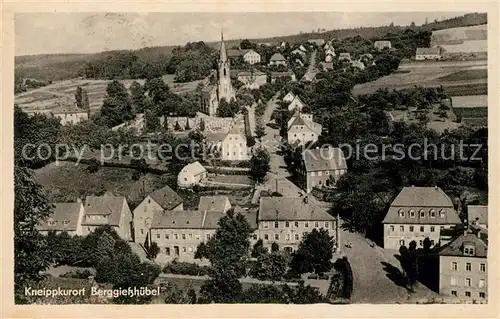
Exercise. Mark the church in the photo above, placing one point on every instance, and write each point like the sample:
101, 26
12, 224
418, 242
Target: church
213, 94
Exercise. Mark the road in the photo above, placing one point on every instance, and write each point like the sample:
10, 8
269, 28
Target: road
374, 269
311, 70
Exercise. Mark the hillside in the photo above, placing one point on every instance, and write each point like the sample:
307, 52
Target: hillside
55, 67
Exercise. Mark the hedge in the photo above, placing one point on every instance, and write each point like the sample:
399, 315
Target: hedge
185, 268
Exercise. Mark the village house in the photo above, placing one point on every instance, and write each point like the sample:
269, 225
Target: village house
289, 97
234, 146
326, 66
214, 203
108, 210
158, 201
248, 55
191, 174
418, 213
302, 48
321, 167
330, 52
358, 64
463, 268
67, 217
345, 56
71, 117
381, 45
318, 42
296, 104
285, 74
286, 220
252, 79
299, 52
277, 59
305, 116
428, 54
302, 130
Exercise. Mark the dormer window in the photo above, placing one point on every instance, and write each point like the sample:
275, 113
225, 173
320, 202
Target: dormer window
468, 250
66, 222
433, 213
422, 213
51, 222
401, 213
412, 213
442, 213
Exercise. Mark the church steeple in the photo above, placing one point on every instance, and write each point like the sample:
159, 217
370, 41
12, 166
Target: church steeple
223, 54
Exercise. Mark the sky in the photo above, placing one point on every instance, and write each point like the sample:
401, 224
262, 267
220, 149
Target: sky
60, 32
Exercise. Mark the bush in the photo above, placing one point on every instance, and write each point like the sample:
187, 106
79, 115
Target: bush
80, 274
185, 268
344, 268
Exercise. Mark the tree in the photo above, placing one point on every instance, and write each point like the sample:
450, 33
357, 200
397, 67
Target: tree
152, 121
224, 110
223, 287
260, 131
31, 253
85, 101
258, 249
137, 96
246, 44
202, 125
270, 266
275, 247
79, 97
259, 165
116, 107
152, 250
314, 253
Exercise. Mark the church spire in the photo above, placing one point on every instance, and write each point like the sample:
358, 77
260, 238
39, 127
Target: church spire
223, 54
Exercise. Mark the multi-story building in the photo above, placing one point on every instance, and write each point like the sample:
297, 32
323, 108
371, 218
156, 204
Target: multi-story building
234, 146
252, 79
321, 167
250, 56
108, 210
66, 217
302, 130
289, 97
158, 201
295, 104
218, 203
463, 268
417, 213
277, 59
380, 45
286, 220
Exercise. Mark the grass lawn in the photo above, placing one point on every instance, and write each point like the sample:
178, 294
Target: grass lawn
466, 75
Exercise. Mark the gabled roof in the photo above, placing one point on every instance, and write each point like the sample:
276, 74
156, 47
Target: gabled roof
277, 57
290, 209
313, 126
433, 51
324, 159
234, 53
194, 168
250, 214
166, 197
186, 219
213, 203
65, 215
245, 51
456, 246
422, 196
477, 214
111, 206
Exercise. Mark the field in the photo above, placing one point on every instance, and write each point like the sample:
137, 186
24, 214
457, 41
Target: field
460, 75
61, 94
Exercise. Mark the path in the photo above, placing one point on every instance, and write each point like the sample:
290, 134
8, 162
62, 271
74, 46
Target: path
311, 69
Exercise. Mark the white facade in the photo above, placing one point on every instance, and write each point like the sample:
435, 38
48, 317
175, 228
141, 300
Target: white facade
234, 147
251, 57
72, 117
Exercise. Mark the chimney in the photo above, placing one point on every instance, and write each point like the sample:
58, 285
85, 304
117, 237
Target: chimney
306, 200
466, 227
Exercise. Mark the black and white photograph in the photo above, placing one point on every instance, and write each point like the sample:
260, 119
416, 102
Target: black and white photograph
333, 158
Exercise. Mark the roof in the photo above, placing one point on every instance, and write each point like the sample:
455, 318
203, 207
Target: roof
418, 199
456, 246
248, 73
250, 214
245, 51
344, 54
63, 212
194, 168
277, 57
166, 197
423, 51
324, 159
104, 205
477, 214
186, 219
215, 137
313, 126
383, 42
233, 53
469, 101
291, 209
213, 203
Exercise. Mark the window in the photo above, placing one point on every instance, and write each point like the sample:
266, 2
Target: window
482, 267
411, 228
276, 224
190, 249
469, 250
432, 229
412, 213
167, 251
327, 173
167, 236
467, 294
401, 213
306, 224
183, 249
266, 237
183, 236
401, 228
453, 281
422, 229
52, 222
422, 213
442, 213
276, 236
454, 293
320, 173
482, 295
287, 236
296, 224
468, 267
454, 265
420, 242
197, 237
190, 236
467, 282
432, 242
296, 236
481, 283
392, 227
142, 231
266, 224
433, 213
208, 236
254, 236
327, 225
176, 236
313, 174
66, 222
401, 242
287, 224
316, 224
158, 235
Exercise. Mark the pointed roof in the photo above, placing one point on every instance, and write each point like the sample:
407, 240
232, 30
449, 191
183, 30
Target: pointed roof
65, 216
277, 57
213, 203
456, 247
104, 205
166, 197
223, 54
291, 209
